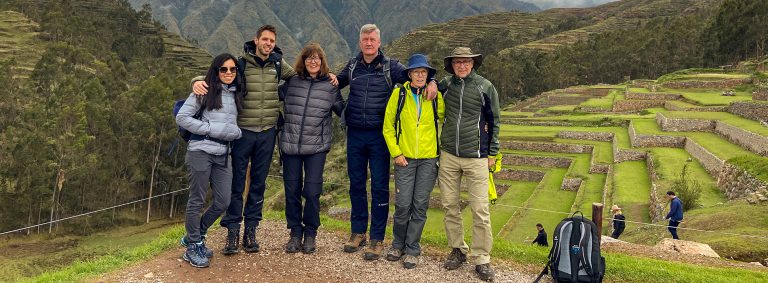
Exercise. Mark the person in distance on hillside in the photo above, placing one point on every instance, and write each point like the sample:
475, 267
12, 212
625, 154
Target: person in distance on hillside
207, 156
411, 125
541, 238
618, 221
675, 214
371, 77
469, 144
258, 120
309, 99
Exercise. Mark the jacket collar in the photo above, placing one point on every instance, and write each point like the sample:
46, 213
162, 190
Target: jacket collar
249, 47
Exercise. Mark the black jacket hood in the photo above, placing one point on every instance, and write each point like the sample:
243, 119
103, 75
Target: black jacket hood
249, 47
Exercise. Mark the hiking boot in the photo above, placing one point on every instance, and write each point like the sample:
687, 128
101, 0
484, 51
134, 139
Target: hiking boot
195, 255
184, 242
309, 246
394, 254
355, 242
233, 238
250, 245
455, 259
484, 271
293, 246
374, 250
410, 261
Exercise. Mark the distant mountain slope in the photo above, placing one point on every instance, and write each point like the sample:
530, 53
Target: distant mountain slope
221, 26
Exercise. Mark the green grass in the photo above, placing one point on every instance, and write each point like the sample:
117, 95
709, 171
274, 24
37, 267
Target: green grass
669, 164
756, 166
719, 146
591, 191
516, 195
560, 109
118, 255
632, 190
728, 118
710, 97
548, 197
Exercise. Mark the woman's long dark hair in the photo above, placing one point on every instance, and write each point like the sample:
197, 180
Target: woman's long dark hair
212, 100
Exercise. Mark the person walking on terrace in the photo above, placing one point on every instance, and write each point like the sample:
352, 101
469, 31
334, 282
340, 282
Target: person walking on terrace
675, 214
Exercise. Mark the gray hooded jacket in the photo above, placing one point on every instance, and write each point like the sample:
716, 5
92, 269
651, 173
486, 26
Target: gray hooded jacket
219, 123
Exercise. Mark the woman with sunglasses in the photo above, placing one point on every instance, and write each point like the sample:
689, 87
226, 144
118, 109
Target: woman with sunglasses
305, 140
212, 120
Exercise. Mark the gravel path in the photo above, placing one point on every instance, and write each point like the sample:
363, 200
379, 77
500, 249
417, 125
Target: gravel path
272, 264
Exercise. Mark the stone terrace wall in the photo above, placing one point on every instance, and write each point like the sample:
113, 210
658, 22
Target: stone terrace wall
635, 105
711, 163
655, 203
621, 155
730, 83
673, 107
654, 140
548, 147
520, 175
750, 110
589, 91
684, 125
592, 136
760, 94
538, 161
746, 139
651, 96
571, 184
738, 183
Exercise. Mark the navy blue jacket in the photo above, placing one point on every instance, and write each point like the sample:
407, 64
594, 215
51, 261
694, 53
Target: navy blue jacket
368, 91
675, 210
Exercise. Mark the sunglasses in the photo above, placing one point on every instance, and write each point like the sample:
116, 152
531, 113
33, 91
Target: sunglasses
224, 69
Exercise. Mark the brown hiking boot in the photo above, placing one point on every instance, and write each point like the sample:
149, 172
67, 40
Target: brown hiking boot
355, 242
455, 259
374, 250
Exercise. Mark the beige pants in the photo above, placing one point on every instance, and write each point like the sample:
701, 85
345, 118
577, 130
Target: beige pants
475, 173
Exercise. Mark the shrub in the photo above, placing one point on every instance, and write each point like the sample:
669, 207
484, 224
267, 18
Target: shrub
689, 191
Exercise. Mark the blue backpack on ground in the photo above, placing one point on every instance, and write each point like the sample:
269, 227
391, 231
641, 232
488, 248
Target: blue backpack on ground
575, 254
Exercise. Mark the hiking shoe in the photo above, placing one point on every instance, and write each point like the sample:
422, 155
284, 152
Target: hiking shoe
309, 246
250, 245
184, 242
233, 238
355, 242
410, 261
195, 255
293, 246
394, 254
374, 250
455, 259
484, 271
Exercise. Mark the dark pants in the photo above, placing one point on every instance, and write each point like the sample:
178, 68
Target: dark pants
206, 170
616, 233
258, 148
673, 228
303, 220
367, 149
413, 185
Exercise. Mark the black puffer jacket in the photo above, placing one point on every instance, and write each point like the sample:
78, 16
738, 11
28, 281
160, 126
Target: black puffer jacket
368, 91
308, 127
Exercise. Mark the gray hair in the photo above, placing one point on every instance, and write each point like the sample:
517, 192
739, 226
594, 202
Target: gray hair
369, 28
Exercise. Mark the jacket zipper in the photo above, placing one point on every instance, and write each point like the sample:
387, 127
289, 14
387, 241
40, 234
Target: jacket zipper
304, 116
461, 109
418, 123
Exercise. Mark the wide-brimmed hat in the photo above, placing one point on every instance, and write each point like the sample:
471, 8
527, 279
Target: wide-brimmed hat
615, 208
462, 52
419, 61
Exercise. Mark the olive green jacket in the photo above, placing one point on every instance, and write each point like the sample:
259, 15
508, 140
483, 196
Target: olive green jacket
471, 127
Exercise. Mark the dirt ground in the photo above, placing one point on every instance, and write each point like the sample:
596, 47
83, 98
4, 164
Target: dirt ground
272, 264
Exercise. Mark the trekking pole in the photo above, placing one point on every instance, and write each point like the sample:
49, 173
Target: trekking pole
597, 216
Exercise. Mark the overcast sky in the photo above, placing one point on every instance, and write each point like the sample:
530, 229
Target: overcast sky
546, 4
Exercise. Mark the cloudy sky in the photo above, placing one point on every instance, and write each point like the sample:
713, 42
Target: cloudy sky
546, 4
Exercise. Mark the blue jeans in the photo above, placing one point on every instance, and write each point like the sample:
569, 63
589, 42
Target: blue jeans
366, 149
258, 148
303, 220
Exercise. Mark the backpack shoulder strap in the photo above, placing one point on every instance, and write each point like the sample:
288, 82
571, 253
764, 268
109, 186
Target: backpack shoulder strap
387, 71
351, 65
279, 70
400, 104
437, 130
